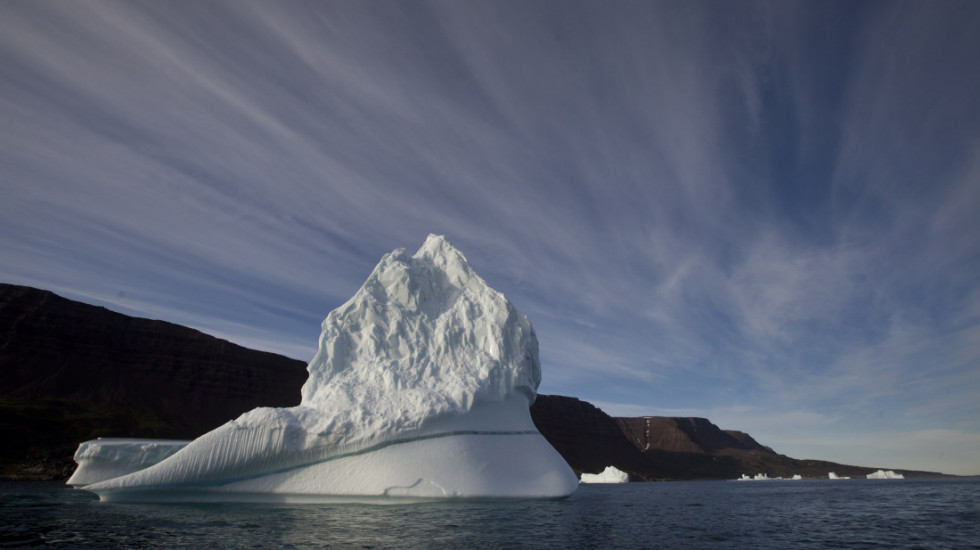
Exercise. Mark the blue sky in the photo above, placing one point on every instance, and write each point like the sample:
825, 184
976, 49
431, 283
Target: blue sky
761, 213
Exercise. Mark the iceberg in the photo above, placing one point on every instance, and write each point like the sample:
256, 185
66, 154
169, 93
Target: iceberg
885, 474
832, 475
420, 388
611, 474
756, 477
105, 458
765, 477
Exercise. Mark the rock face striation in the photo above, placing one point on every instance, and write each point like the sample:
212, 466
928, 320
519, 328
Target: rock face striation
420, 388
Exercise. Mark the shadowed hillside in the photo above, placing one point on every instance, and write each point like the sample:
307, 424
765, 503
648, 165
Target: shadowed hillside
71, 371
662, 448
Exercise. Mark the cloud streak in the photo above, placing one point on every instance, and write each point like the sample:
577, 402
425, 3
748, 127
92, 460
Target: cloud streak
700, 206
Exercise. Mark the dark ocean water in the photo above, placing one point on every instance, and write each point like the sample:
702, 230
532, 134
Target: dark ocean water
766, 514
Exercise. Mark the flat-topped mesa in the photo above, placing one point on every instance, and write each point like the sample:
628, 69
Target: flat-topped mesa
420, 388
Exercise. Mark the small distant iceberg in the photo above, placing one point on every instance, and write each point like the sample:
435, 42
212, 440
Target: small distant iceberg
764, 477
832, 475
885, 474
756, 477
611, 474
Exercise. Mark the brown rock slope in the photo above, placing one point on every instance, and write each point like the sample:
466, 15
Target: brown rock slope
590, 440
586, 437
660, 448
71, 371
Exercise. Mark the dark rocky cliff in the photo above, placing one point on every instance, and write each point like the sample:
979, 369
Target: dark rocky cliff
586, 437
661, 448
685, 435
590, 440
71, 371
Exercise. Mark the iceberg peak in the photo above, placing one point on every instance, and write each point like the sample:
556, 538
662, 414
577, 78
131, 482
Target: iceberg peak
423, 332
439, 249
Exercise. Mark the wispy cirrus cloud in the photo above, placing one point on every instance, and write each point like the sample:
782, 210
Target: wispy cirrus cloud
700, 206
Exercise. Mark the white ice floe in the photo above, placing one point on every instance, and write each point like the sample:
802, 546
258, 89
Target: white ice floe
885, 474
611, 474
832, 475
765, 477
420, 388
756, 477
106, 458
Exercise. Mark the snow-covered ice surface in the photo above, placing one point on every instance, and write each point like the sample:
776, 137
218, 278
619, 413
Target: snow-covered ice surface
884, 474
611, 474
832, 475
420, 388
